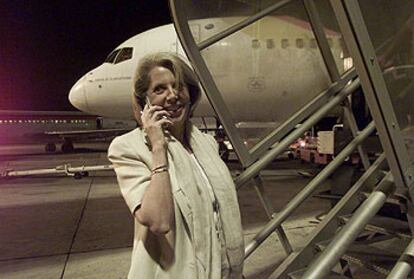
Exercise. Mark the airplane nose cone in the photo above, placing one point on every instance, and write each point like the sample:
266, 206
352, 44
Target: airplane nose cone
77, 95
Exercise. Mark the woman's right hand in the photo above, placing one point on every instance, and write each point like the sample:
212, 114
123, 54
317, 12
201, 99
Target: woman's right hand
154, 118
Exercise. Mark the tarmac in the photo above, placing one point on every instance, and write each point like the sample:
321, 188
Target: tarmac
53, 226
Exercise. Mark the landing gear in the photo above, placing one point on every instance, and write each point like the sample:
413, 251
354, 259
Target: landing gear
67, 146
224, 152
50, 147
220, 138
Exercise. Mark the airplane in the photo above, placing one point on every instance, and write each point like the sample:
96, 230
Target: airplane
52, 127
253, 69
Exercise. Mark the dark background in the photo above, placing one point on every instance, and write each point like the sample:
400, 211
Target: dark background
46, 46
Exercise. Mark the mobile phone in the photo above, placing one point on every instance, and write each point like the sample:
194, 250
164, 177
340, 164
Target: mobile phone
150, 105
148, 102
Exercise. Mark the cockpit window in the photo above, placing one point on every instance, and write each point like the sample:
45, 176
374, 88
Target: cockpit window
111, 57
125, 54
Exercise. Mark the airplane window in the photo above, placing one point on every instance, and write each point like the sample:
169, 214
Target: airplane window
270, 43
255, 44
313, 43
285, 43
125, 54
300, 43
111, 56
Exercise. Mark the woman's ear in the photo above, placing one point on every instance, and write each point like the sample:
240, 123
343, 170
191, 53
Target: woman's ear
137, 109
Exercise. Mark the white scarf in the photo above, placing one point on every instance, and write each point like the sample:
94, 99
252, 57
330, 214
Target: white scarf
223, 186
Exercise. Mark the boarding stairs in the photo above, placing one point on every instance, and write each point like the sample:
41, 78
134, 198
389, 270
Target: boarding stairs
351, 232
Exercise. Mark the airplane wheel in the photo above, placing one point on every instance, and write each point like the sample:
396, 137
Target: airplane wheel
50, 147
67, 147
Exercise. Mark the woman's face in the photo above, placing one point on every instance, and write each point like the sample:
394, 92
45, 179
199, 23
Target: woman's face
162, 91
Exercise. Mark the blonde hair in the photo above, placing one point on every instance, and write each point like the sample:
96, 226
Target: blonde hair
182, 72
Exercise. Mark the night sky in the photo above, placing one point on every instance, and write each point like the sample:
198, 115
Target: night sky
47, 45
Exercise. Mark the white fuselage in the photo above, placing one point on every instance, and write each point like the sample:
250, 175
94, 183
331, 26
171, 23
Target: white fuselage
264, 74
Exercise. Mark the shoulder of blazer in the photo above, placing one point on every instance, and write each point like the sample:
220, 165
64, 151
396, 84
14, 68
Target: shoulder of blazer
133, 140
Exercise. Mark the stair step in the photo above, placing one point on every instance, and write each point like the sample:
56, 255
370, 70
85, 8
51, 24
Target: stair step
387, 226
398, 228
393, 200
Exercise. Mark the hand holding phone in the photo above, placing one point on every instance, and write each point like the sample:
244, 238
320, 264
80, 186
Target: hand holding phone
163, 116
155, 119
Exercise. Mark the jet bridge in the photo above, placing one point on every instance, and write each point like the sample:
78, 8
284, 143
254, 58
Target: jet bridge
300, 61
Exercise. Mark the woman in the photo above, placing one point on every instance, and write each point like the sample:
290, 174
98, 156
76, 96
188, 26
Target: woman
187, 219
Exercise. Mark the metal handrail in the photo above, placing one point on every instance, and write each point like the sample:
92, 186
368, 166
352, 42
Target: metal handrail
242, 24
308, 190
322, 266
404, 265
280, 147
329, 225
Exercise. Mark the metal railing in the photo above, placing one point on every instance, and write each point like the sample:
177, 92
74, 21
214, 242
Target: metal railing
404, 265
342, 240
307, 191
